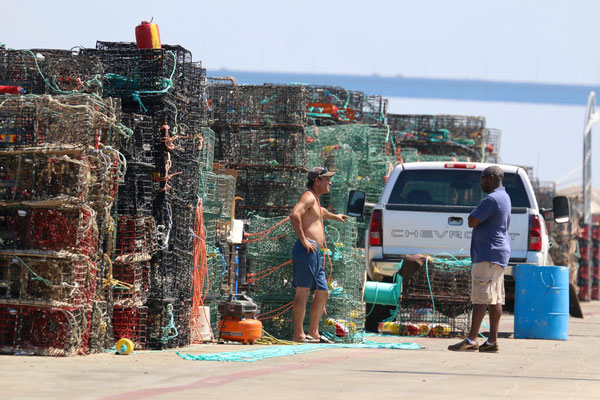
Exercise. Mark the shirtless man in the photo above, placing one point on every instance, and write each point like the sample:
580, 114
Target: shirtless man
307, 221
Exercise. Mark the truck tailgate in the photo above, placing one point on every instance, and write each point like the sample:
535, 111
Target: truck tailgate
431, 230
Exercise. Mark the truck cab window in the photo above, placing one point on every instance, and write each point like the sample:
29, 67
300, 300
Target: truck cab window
450, 187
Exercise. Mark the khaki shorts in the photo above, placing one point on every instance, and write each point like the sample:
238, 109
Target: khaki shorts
487, 283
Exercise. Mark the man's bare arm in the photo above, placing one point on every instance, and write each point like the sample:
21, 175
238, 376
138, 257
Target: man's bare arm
473, 222
336, 217
306, 202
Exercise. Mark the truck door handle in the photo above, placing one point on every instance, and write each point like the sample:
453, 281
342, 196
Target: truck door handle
455, 221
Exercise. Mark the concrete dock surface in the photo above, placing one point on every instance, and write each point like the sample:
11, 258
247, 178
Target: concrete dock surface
523, 369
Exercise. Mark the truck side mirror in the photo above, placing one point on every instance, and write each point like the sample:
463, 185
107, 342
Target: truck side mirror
561, 209
356, 203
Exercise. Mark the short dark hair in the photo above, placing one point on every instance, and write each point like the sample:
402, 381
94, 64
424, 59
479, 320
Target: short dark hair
493, 170
315, 173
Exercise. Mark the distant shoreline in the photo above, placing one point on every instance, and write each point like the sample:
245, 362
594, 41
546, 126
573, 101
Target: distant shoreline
479, 90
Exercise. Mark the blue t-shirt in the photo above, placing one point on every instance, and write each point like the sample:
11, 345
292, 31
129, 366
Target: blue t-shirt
490, 241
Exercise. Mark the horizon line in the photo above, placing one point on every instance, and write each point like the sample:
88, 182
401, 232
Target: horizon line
432, 88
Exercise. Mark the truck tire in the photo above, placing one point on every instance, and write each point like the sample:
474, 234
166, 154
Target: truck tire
375, 314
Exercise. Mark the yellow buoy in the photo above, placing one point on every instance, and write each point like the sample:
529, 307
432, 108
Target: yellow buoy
124, 346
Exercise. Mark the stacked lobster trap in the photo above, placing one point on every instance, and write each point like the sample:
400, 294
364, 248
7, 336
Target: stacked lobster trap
168, 185
330, 105
270, 275
436, 298
260, 134
59, 173
442, 138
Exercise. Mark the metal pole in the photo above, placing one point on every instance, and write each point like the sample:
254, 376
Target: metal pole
591, 116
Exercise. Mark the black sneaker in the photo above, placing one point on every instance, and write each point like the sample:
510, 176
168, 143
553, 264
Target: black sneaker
464, 346
489, 348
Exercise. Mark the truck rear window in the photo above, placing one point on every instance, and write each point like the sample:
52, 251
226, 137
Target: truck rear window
451, 187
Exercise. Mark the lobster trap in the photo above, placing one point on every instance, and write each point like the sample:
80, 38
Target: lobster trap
415, 150
276, 315
183, 180
268, 191
73, 120
101, 331
345, 317
131, 323
145, 145
441, 281
43, 71
493, 139
467, 130
347, 273
67, 227
334, 103
182, 234
271, 277
34, 176
262, 147
269, 237
421, 318
46, 280
36, 330
218, 192
194, 90
168, 323
132, 282
171, 276
217, 274
262, 106
141, 77
217, 229
136, 238
374, 109
108, 171
138, 190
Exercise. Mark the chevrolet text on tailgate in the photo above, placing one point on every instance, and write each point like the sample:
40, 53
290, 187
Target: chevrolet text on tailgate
424, 209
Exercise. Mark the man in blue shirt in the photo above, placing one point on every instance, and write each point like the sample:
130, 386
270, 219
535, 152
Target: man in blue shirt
490, 252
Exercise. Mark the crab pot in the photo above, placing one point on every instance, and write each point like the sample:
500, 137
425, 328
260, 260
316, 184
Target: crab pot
69, 228
38, 330
130, 322
47, 280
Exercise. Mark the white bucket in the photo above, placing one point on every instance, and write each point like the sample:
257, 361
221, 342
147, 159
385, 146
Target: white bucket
204, 332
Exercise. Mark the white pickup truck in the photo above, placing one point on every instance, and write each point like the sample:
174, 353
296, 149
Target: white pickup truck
424, 208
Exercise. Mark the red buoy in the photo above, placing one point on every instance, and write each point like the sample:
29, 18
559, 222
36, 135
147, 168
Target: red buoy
147, 36
12, 89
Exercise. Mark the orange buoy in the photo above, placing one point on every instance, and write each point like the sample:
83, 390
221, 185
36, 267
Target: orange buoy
147, 36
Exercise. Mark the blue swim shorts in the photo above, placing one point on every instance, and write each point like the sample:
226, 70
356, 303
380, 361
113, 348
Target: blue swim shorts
308, 267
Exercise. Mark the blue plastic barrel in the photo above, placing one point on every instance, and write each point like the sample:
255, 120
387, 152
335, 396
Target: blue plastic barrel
541, 302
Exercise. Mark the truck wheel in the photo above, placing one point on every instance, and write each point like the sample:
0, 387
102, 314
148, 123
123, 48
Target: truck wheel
377, 314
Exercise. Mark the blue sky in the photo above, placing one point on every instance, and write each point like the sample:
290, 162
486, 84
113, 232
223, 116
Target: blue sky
527, 41
538, 41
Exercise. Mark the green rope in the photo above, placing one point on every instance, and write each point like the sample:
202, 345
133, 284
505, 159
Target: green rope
36, 276
122, 81
171, 326
96, 79
283, 351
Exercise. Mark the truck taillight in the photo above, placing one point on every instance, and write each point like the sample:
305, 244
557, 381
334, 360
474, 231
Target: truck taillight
535, 233
375, 229
459, 165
